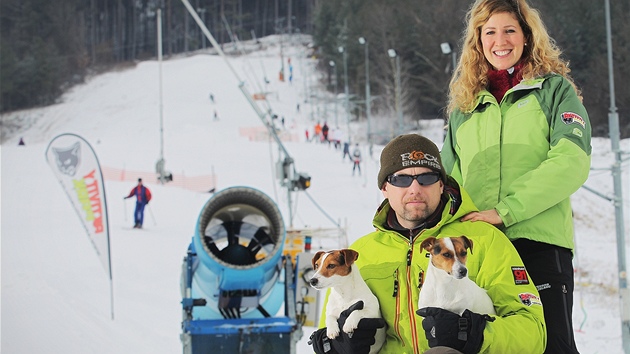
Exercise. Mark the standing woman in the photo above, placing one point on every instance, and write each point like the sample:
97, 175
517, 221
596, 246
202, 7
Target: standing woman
519, 141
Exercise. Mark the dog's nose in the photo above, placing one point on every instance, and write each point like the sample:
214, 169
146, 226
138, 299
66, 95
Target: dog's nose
462, 272
313, 282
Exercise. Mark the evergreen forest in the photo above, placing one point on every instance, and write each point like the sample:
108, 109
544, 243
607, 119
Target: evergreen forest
47, 46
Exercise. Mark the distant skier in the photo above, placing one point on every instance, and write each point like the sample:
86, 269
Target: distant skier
356, 158
290, 71
143, 196
346, 151
317, 131
325, 132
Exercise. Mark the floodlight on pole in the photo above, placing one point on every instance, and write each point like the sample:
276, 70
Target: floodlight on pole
159, 165
368, 108
332, 63
345, 88
392, 54
446, 50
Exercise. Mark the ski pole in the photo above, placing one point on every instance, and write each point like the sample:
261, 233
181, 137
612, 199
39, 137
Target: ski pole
152, 217
125, 203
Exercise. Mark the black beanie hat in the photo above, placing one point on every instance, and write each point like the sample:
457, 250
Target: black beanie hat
409, 150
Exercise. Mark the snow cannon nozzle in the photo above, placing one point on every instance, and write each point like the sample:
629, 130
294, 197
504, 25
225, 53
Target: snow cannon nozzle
238, 242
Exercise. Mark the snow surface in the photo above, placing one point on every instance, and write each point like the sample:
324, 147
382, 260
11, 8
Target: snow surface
55, 293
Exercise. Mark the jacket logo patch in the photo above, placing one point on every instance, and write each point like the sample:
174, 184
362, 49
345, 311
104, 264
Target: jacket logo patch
529, 299
520, 276
570, 117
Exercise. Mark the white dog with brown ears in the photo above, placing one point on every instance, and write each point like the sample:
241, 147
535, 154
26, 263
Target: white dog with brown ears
336, 270
446, 283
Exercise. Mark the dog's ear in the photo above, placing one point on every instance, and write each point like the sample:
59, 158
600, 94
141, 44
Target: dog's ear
350, 256
316, 257
428, 243
467, 243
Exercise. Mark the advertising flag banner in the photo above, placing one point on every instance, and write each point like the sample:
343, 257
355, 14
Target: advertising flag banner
74, 163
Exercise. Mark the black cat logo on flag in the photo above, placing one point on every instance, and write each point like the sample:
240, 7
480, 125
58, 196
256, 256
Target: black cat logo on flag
74, 163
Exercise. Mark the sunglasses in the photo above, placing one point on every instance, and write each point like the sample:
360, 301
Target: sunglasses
424, 179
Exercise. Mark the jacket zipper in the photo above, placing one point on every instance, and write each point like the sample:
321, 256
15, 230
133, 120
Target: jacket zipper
564, 299
410, 307
410, 311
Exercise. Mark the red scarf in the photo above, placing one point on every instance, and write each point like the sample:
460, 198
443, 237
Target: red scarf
499, 81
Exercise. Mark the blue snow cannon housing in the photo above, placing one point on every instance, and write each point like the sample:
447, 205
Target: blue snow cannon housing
238, 240
235, 278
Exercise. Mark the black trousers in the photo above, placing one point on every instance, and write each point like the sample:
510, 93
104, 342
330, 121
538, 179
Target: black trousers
551, 269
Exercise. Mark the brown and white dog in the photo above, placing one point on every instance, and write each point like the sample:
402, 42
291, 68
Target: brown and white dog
336, 270
446, 283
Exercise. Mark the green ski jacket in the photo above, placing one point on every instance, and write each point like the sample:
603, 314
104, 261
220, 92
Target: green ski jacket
524, 157
393, 266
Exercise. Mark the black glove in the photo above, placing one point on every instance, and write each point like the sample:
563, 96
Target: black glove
448, 329
360, 341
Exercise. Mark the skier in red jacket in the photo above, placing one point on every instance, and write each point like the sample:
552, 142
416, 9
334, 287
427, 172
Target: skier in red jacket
143, 196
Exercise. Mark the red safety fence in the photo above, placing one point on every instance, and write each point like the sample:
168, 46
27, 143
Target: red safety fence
262, 134
203, 183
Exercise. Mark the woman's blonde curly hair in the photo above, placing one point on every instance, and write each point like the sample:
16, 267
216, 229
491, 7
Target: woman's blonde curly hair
540, 56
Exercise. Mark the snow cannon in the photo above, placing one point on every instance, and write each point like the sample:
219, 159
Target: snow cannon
235, 277
238, 241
